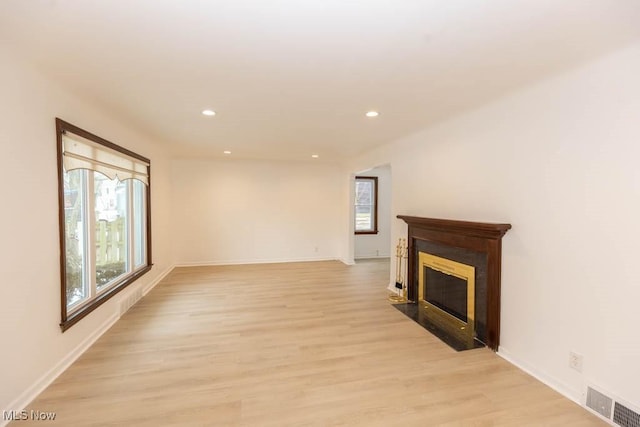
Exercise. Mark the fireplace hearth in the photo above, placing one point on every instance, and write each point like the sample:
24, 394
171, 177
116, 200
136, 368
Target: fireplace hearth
453, 279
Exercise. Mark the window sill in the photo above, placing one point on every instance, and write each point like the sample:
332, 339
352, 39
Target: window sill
102, 298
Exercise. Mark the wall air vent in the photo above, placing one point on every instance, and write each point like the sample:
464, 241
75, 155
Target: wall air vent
599, 402
625, 417
616, 411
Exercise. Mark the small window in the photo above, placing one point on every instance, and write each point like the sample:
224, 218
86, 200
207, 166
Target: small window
366, 208
104, 220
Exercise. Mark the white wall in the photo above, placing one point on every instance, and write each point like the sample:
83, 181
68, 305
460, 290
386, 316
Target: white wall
559, 161
34, 350
246, 211
378, 245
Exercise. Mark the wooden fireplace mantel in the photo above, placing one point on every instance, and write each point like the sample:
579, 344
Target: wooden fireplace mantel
475, 236
464, 228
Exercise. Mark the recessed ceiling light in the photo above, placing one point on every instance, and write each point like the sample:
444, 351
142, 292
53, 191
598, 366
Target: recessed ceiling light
315, 156
372, 114
208, 112
227, 152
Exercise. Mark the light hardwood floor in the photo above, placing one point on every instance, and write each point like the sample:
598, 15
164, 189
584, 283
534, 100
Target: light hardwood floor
290, 345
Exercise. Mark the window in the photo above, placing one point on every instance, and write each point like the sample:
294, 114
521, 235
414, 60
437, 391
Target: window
104, 220
366, 209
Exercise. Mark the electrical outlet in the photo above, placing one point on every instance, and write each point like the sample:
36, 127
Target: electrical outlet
316, 249
575, 361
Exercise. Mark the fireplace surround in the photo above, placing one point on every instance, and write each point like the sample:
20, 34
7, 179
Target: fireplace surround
476, 245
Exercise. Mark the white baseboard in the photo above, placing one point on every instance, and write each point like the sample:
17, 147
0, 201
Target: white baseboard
252, 261
357, 257
157, 280
558, 386
347, 261
392, 287
44, 381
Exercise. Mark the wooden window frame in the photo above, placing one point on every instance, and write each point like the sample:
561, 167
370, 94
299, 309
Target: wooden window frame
70, 319
375, 205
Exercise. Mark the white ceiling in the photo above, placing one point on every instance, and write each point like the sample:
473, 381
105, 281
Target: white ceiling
289, 78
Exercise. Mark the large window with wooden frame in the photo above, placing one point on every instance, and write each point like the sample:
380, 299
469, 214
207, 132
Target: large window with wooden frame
105, 230
366, 205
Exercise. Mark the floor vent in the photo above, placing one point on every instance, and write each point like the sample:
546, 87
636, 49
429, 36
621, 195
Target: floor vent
599, 402
130, 301
625, 417
609, 408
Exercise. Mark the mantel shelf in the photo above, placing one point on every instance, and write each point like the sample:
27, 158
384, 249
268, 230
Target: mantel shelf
466, 228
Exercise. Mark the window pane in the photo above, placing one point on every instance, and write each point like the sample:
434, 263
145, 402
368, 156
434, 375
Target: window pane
139, 223
364, 191
111, 229
364, 218
77, 285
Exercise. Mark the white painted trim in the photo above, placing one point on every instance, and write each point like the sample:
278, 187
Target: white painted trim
392, 287
373, 257
157, 280
347, 262
558, 386
251, 261
43, 382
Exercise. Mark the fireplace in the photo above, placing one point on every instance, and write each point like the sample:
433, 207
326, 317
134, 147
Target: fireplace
453, 279
446, 294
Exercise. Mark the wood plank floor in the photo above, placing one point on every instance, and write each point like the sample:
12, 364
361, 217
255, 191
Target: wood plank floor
301, 344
